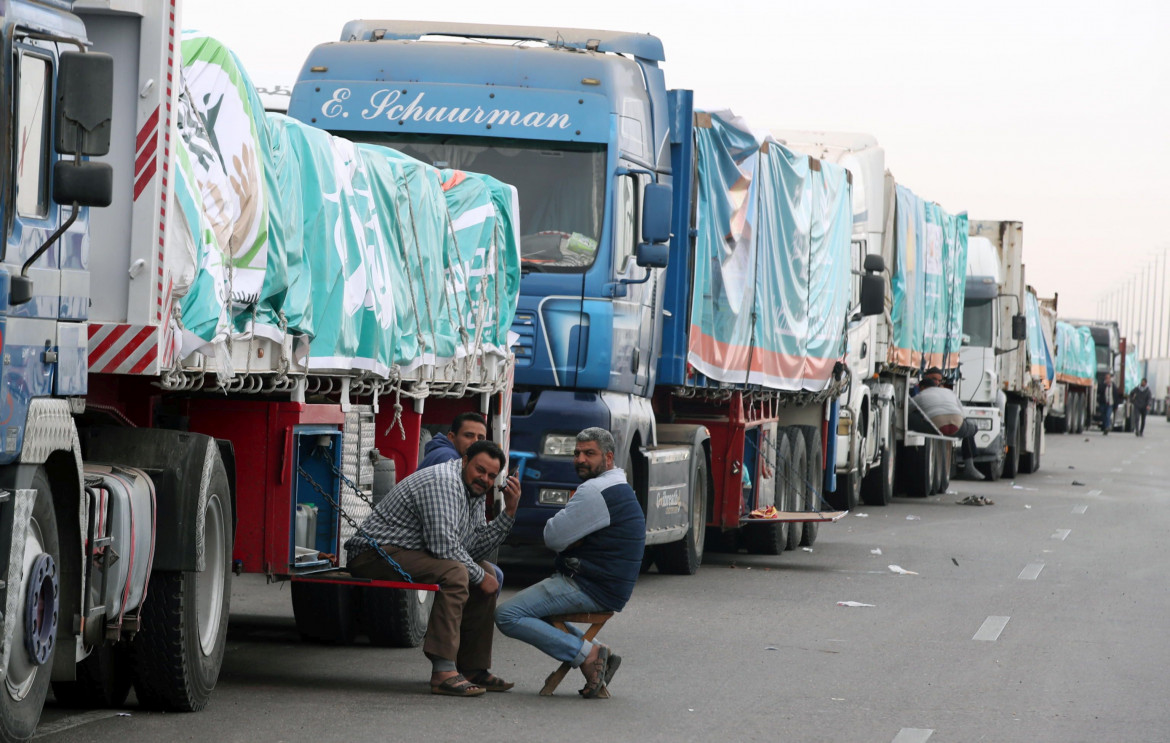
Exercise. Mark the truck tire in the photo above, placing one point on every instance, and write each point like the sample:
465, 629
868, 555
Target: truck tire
325, 612
946, 466
920, 472
937, 460
26, 684
1027, 458
178, 651
877, 489
798, 492
1037, 443
770, 538
1011, 459
814, 481
684, 556
848, 492
103, 680
396, 618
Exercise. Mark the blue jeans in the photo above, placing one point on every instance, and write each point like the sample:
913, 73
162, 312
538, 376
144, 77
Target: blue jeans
1106, 417
521, 618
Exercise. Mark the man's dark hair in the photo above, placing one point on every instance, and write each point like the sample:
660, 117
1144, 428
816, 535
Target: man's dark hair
457, 424
933, 370
926, 383
494, 451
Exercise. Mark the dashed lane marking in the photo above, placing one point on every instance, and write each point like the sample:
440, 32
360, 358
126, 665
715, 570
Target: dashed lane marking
1061, 534
991, 628
1094, 492
1115, 469
913, 735
1031, 571
1080, 509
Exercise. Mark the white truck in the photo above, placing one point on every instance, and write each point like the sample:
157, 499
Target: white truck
1000, 390
922, 251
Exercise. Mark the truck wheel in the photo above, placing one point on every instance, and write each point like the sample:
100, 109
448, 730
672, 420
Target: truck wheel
769, 539
848, 492
26, 682
1037, 442
921, 470
936, 465
991, 470
946, 466
325, 612
684, 556
1011, 460
798, 492
178, 650
815, 482
396, 618
103, 680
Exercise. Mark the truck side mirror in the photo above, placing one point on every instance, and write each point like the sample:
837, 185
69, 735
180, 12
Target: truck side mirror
85, 103
874, 263
873, 294
652, 256
83, 183
656, 213
1019, 327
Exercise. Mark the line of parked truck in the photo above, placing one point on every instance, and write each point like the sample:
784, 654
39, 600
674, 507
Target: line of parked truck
225, 331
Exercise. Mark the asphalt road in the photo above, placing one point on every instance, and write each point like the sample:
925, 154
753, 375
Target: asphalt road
1039, 618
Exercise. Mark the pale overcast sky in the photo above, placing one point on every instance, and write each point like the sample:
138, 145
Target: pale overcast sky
1057, 114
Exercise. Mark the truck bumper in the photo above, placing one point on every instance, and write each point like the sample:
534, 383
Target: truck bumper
989, 435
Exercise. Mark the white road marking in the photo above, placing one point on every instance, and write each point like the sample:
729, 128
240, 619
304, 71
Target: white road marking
1080, 509
1061, 534
913, 735
1094, 492
1031, 571
1115, 469
991, 628
73, 721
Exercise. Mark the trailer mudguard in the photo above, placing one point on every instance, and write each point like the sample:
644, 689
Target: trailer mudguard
178, 462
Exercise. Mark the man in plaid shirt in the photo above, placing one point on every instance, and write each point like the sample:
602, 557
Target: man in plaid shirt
434, 525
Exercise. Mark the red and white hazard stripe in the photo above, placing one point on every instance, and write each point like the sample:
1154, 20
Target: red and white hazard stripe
123, 349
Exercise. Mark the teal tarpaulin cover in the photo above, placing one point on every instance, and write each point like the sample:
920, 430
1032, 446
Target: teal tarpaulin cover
1039, 354
928, 283
772, 262
364, 259
1076, 355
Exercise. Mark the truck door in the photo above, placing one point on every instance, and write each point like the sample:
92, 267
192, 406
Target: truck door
636, 335
31, 217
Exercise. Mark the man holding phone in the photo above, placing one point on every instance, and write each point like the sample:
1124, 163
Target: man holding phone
599, 536
434, 525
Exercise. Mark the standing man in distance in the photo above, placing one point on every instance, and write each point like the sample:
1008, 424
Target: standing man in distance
1141, 397
466, 429
599, 538
433, 524
1108, 396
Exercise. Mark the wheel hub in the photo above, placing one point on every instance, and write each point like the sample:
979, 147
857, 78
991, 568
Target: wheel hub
41, 609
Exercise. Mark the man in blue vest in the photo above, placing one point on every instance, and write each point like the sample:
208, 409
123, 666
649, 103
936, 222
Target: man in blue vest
599, 538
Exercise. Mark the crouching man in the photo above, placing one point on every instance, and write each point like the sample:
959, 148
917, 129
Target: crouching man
599, 537
433, 524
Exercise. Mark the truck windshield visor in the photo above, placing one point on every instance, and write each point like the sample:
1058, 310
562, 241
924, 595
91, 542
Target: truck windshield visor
977, 322
561, 189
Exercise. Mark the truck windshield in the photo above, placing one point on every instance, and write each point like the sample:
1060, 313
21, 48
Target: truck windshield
977, 322
561, 188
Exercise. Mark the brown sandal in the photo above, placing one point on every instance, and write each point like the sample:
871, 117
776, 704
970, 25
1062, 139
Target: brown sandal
457, 686
488, 680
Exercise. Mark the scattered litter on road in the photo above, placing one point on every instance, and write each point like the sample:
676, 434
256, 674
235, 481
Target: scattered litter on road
771, 647
1017, 487
1026, 506
875, 551
952, 492
1071, 467
955, 561
862, 515
901, 570
123, 714
975, 500
690, 709
912, 518
853, 604
807, 549
1078, 482
837, 699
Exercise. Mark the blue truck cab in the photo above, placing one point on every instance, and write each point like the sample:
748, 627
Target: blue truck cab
581, 123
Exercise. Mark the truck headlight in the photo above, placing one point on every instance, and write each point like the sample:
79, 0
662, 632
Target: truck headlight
553, 496
558, 445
